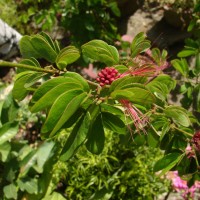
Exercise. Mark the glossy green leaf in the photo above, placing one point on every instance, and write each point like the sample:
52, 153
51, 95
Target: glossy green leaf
62, 109
31, 61
48, 40
28, 184
57, 46
101, 51
111, 109
136, 95
32, 79
113, 122
121, 82
181, 66
67, 56
5, 151
178, 114
167, 162
10, 191
26, 48
19, 91
8, 131
139, 44
45, 87
79, 79
96, 138
76, 138
43, 48
161, 86
50, 97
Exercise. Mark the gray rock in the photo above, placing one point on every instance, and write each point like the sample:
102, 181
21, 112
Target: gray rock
9, 39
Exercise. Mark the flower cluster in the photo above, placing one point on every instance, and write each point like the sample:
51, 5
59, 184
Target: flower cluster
180, 185
107, 76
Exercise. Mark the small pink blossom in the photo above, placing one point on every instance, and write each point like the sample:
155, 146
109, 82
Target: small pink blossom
180, 185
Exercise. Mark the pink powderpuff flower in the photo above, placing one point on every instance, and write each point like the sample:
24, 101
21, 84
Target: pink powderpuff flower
139, 119
145, 66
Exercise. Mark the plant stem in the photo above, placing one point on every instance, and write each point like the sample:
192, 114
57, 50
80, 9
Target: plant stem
24, 66
92, 83
183, 131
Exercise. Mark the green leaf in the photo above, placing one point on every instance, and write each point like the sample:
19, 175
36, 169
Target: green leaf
31, 61
111, 109
101, 51
114, 7
153, 139
28, 184
167, 162
181, 66
48, 40
57, 47
54, 196
79, 79
50, 97
113, 123
10, 191
45, 87
187, 52
5, 151
121, 68
44, 49
139, 44
76, 138
32, 79
44, 152
19, 91
96, 138
161, 86
8, 131
136, 95
36, 159
197, 64
126, 80
62, 109
26, 48
178, 114
9, 110
67, 56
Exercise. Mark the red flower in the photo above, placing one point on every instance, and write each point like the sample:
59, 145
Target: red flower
196, 140
107, 76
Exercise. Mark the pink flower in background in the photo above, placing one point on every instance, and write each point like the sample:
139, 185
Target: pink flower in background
180, 185
127, 38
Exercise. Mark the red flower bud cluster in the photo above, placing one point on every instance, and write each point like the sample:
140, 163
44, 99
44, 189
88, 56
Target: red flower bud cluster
196, 140
107, 76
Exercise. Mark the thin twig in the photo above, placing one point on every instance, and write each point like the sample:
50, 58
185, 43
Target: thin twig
29, 67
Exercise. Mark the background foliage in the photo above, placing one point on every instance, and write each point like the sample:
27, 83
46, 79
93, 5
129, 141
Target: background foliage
100, 139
